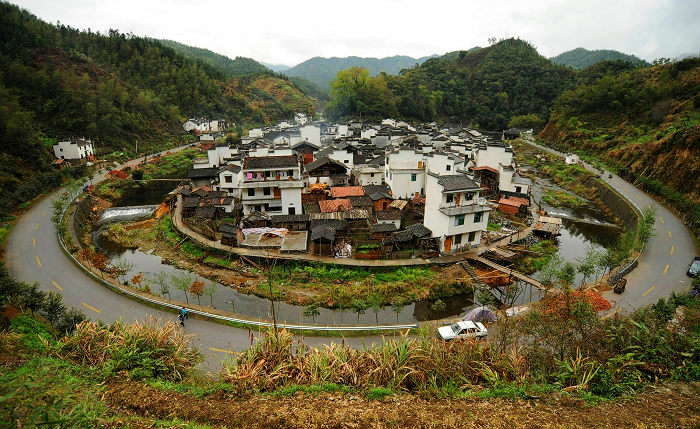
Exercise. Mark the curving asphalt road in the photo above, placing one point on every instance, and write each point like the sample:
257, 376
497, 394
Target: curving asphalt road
665, 260
34, 255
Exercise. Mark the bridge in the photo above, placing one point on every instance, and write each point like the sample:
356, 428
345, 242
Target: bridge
509, 271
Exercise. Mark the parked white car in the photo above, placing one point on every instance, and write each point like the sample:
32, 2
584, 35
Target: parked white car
464, 329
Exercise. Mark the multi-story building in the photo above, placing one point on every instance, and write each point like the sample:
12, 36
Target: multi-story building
454, 211
75, 149
271, 184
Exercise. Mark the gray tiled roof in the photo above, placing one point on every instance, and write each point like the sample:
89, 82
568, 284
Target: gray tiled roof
457, 182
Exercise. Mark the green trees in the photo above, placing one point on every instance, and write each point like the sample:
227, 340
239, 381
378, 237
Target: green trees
527, 121
355, 93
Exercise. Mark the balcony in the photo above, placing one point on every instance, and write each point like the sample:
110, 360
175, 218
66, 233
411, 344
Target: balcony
475, 205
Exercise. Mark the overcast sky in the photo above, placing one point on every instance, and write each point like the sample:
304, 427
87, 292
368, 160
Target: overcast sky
289, 32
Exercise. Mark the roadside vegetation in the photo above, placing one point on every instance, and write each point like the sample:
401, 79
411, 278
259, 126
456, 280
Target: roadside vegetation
131, 374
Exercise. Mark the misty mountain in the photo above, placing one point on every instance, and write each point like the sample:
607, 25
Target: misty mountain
581, 58
321, 70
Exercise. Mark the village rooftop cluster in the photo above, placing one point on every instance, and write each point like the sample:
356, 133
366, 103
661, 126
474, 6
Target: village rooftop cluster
358, 189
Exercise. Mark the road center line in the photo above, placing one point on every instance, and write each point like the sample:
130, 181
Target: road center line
38, 262
672, 250
56, 284
33, 242
44, 214
666, 269
649, 291
36, 227
92, 308
661, 219
669, 234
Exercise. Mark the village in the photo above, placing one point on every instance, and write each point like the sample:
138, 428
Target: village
359, 190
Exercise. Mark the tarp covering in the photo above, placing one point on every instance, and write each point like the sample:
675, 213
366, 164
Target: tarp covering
481, 314
266, 231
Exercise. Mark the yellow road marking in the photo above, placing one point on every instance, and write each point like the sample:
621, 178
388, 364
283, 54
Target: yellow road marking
44, 214
33, 242
38, 262
661, 219
648, 291
214, 349
669, 234
92, 308
56, 284
610, 314
672, 250
666, 269
36, 227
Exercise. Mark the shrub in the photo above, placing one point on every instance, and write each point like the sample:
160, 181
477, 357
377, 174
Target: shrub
142, 350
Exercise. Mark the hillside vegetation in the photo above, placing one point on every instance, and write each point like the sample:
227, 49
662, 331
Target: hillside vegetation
484, 87
581, 58
57, 82
240, 66
322, 71
645, 123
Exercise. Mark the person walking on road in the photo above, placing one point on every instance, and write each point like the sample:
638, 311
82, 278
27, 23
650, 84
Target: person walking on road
181, 318
184, 313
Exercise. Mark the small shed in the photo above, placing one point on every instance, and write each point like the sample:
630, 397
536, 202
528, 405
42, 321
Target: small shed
513, 205
548, 226
380, 231
390, 216
229, 234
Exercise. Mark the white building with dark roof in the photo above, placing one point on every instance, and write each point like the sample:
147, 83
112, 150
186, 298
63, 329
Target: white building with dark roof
75, 149
454, 211
271, 184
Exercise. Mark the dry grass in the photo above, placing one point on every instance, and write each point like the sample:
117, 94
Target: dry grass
149, 349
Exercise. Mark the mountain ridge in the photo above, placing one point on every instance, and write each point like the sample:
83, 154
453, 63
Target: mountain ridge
580, 58
321, 70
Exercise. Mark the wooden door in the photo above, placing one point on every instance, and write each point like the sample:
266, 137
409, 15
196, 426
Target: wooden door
457, 198
277, 193
448, 244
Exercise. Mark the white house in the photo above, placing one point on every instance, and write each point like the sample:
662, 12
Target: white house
255, 133
74, 149
301, 118
572, 158
271, 184
311, 134
511, 183
344, 155
342, 131
366, 174
229, 177
454, 212
404, 172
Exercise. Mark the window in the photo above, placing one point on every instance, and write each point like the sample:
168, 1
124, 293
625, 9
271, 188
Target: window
472, 235
478, 216
266, 191
386, 173
413, 177
449, 198
469, 196
371, 174
518, 189
448, 167
290, 173
228, 179
347, 161
458, 239
292, 210
251, 192
459, 220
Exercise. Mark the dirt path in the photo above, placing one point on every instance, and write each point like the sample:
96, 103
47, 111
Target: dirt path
667, 406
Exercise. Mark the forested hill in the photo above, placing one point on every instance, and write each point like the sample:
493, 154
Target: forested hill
321, 70
485, 87
240, 66
57, 82
643, 121
581, 58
